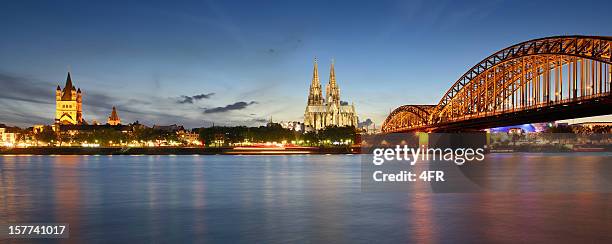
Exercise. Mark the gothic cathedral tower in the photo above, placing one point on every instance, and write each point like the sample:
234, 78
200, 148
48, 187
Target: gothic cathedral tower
332, 92
68, 104
315, 96
329, 111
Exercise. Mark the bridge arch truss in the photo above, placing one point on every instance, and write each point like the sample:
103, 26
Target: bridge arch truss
408, 116
536, 74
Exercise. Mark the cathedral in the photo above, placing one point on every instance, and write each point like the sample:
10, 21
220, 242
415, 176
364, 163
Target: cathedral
68, 104
329, 111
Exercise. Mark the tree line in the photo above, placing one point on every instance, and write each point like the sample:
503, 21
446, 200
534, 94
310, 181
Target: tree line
225, 136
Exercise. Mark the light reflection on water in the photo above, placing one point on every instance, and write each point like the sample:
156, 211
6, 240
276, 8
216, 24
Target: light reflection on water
314, 198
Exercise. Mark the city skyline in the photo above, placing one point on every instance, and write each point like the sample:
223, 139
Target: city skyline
228, 63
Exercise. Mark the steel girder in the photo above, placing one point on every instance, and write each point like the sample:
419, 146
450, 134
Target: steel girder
526, 75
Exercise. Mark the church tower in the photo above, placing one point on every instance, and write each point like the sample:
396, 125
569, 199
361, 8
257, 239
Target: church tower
315, 96
68, 104
329, 111
114, 119
332, 92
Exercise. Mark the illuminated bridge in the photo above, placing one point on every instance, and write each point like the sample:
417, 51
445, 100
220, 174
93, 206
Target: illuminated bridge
540, 80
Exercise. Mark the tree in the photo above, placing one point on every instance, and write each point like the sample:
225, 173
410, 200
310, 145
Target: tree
337, 134
46, 135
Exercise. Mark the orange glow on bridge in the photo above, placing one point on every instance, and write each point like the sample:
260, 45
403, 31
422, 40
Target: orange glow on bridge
539, 80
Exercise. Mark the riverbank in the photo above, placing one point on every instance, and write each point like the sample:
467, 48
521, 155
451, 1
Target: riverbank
551, 148
175, 150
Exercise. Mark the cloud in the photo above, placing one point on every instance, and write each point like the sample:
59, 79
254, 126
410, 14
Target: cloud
289, 44
190, 99
201, 96
366, 123
24, 89
230, 107
32, 101
185, 99
261, 120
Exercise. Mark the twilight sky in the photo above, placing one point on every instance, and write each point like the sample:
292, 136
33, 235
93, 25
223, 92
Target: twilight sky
240, 62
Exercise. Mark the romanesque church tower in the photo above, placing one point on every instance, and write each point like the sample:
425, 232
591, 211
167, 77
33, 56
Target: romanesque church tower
68, 104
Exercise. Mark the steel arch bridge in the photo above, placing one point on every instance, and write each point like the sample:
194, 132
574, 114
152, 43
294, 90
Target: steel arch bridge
544, 79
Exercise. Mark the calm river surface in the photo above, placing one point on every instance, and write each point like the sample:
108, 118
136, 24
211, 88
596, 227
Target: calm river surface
274, 199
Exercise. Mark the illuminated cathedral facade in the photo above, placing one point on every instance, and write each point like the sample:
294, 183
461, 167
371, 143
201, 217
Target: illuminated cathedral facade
68, 104
327, 111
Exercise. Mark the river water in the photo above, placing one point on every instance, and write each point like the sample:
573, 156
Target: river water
274, 199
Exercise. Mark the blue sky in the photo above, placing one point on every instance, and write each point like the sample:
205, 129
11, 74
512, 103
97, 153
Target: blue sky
253, 59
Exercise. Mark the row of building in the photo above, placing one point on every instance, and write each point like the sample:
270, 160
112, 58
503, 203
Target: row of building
69, 123
320, 112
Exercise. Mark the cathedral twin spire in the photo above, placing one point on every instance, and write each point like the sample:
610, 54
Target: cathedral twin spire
315, 96
332, 92
322, 112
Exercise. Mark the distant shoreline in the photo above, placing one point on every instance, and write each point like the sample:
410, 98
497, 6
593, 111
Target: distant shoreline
175, 151
250, 151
